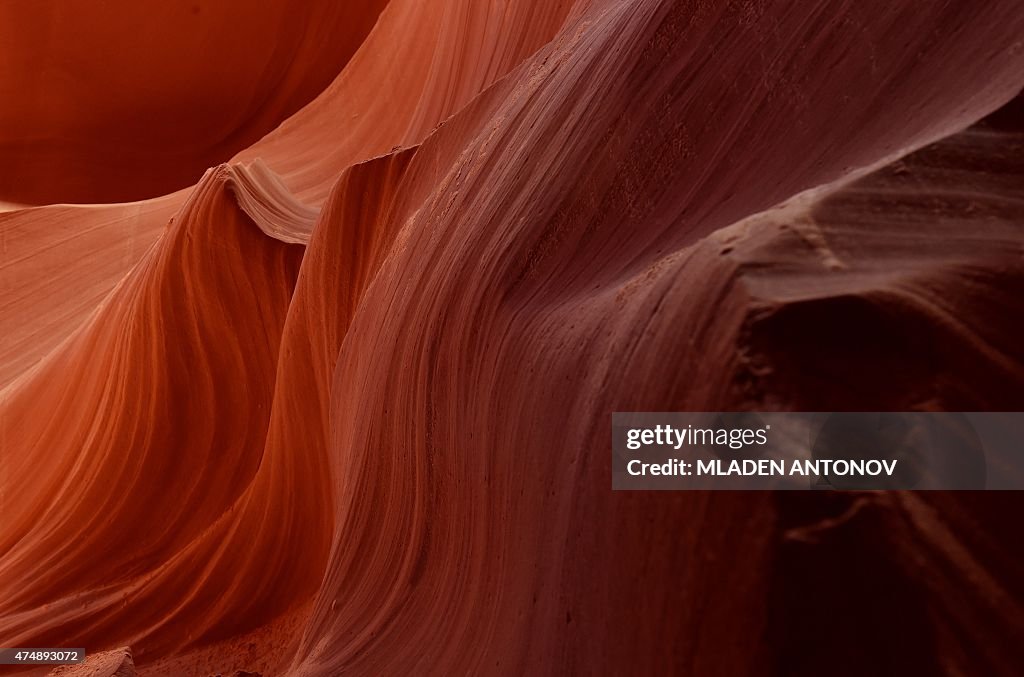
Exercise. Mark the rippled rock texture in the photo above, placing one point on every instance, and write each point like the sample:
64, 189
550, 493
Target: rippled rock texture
115, 663
343, 405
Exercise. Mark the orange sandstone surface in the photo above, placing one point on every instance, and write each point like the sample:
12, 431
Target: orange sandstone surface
343, 405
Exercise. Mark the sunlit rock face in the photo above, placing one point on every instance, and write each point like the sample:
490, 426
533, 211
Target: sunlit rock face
332, 393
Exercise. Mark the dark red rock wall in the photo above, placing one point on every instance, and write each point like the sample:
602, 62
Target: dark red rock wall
342, 407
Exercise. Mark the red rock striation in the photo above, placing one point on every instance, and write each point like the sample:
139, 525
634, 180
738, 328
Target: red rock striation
123, 100
342, 407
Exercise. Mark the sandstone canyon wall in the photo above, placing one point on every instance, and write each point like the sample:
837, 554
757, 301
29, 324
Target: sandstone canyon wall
342, 406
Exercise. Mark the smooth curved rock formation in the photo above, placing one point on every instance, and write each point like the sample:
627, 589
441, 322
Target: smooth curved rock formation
123, 101
342, 407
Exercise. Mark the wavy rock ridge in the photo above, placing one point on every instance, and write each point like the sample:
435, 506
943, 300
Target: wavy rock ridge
342, 406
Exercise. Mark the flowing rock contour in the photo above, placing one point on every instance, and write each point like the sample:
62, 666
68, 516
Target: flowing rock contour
342, 406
